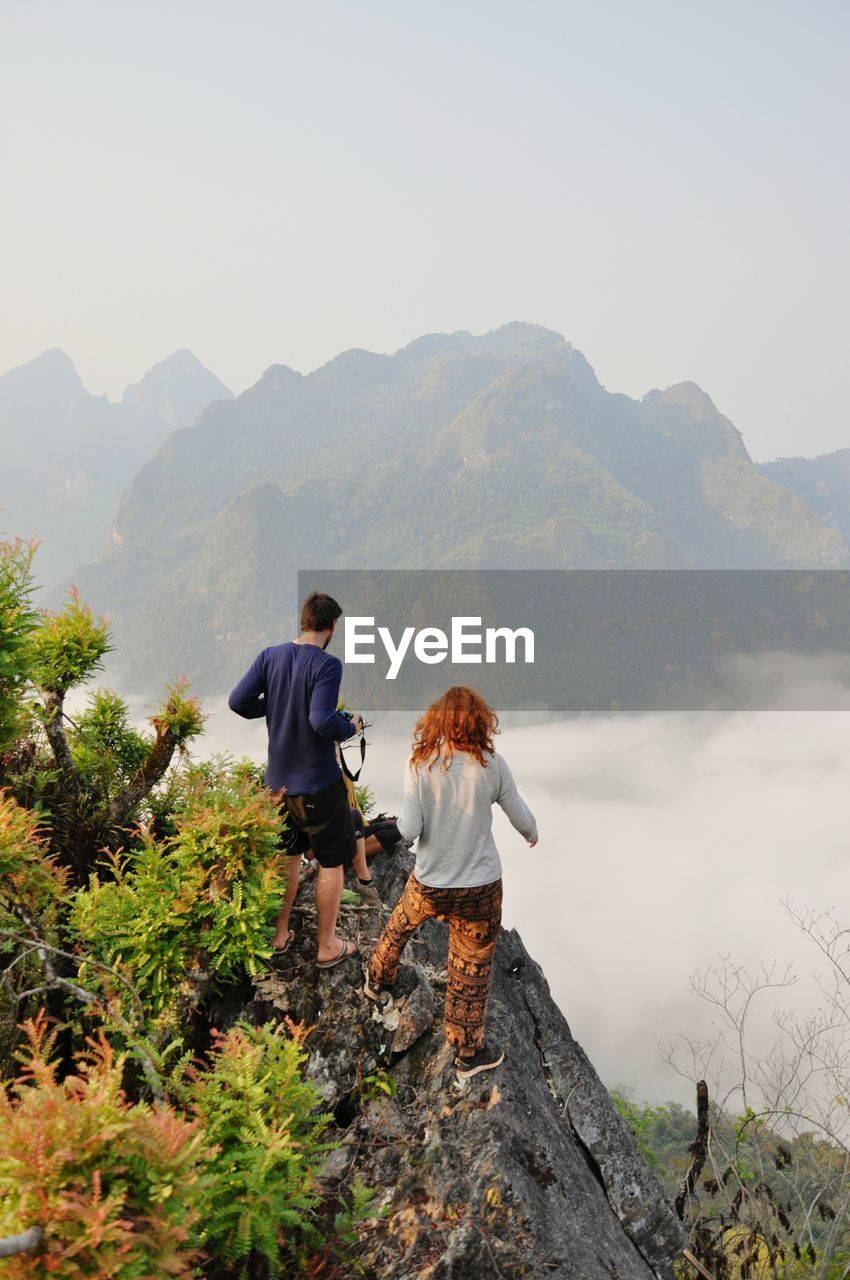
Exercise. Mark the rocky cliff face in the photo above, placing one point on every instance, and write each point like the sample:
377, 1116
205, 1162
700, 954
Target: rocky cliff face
524, 1171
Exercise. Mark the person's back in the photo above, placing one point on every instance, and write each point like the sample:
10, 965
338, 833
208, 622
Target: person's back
450, 810
296, 687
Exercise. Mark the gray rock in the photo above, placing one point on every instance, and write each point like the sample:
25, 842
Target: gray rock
528, 1170
416, 1014
337, 1165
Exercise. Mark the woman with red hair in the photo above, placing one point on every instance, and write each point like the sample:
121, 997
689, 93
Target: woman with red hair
453, 779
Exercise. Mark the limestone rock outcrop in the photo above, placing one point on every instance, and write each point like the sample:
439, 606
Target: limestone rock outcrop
528, 1170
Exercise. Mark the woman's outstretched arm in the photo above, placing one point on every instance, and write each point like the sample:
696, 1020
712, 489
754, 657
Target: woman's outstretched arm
509, 799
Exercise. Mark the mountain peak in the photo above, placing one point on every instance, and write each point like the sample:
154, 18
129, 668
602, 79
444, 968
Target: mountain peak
281, 373
689, 395
53, 370
436, 344
517, 339
687, 412
53, 358
356, 364
182, 359
176, 388
528, 331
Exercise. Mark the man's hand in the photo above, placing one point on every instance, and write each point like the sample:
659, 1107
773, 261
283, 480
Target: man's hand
357, 721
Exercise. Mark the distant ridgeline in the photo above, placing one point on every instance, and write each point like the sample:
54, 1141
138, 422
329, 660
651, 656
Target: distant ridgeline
68, 455
493, 452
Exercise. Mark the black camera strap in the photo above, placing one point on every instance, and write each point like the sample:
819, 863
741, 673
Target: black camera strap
353, 776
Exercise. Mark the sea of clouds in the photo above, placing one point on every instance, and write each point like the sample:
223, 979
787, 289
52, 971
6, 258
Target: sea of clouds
666, 841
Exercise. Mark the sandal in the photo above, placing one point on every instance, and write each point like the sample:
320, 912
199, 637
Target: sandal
344, 955
276, 957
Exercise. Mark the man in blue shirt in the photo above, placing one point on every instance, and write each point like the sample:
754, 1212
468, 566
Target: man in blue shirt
296, 687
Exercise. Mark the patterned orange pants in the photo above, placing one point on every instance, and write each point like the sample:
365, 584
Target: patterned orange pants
473, 916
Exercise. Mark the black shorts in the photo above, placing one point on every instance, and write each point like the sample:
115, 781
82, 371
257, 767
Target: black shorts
385, 830
321, 822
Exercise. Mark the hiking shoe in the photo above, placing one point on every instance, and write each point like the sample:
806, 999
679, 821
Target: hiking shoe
378, 995
369, 895
484, 1060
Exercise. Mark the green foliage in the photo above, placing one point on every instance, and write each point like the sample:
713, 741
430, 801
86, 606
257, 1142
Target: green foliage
334, 1258
113, 1185
378, 1084
262, 1117
180, 713
764, 1204
201, 898
229, 823
365, 798
17, 621
640, 1120
106, 750
69, 647
31, 884
124, 1189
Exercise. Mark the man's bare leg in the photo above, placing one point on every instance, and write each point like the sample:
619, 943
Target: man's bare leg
328, 893
359, 864
364, 884
281, 932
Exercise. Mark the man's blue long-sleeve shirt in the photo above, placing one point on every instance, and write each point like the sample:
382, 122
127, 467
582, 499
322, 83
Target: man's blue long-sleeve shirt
296, 688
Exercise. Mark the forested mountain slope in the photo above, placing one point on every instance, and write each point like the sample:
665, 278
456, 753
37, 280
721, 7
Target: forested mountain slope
499, 451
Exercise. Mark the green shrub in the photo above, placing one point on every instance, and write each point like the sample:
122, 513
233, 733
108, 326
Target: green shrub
17, 621
31, 884
201, 899
106, 750
113, 1185
640, 1121
365, 798
261, 1116
69, 647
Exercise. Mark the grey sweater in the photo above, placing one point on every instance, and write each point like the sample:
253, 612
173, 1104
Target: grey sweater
449, 812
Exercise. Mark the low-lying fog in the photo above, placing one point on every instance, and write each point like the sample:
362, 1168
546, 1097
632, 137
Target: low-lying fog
665, 841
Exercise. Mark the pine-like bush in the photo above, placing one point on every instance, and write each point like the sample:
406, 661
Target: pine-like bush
261, 1115
18, 620
31, 884
113, 1186
201, 900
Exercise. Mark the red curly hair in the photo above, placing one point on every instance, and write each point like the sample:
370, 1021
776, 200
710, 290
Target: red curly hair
458, 721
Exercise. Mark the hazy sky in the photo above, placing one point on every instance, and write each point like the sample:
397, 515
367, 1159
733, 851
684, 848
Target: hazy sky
665, 183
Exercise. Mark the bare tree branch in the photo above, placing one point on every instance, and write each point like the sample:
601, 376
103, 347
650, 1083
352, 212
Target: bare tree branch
54, 705
695, 1262
56, 982
697, 1149
145, 778
39, 945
